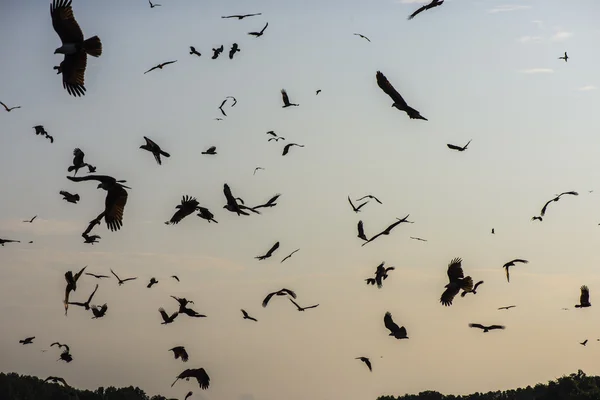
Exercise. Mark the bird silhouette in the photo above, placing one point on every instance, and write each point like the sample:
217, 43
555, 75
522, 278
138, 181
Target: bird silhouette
217, 52
28, 340
155, 149
287, 147
434, 3
289, 255
584, 342
486, 328
167, 319
99, 311
363, 36
175, 277
200, 375
302, 308
457, 282
57, 379
212, 150
536, 219
259, 34
454, 147
179, 352
388, 230
366, 361
418, 238
70, 198
188, 206
286, 100
257, 169
205, 213
395, 330
269, 253
270, 203
194, 52
354, 208
122, 281
97, 276
369, 196
558, 196
361, 231
242, 16
565, 57
160, 66
85, 305
7, 108
152, 5
152, 282
512, 264
584, 298
232, 204
234, 49
473, 290
282, 292
71, 285
381, 273
78, 162
2, 241
399, 102
30, 220
506, 307
247, 316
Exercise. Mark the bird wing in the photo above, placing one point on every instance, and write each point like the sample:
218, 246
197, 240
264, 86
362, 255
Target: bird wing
175, 277
151, 69
387, 87
64, 23
284, 95
496, 327
476, 326
449, 294
266, 300
286, 149
116, 276
315, 306
519, 260
263, 30
73, 73
169, 62
368, 362
116, 199
296, 304
455, 271
99, 178
361, 231
245, 313
507, 273
420, 10
275, 247
389, 323
92, 295
228, 195
77, 275
163, 314
288, 291
584, 298
453, 147
150, 142
544, 208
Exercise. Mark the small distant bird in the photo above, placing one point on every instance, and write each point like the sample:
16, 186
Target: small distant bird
354, 208
506, 307
565, 57
234, 49
30, 220
584, 298
179, 352
361, 231
78, 162
193, 51
291, 254
91, 239
8, 109
381, 274
434, 3
558, 196
200, 375
56, 379
493, 232
232, 204
256, 169
242, 16
217, 52
218, 119
486, 328
160, 66
205, 213
167, 319
152, 5
246, 316
457, 282
473, 290
418, 238
99, 311
28, 340
286, 99
388, 230
232, 98
212, 150
370, 196
454, 147
287, 147
399, 102
155, 149
188, 205
275, 137
85, 305
269, 253
584, 342
40, 130
270, 203
121, 281
2, 241
395, 330
512, 264
66, 356
536, 219
363, 36
366, 361
302, 308
175, 277
97, 276
152, 282
282, 292
259, 34
221, 107
317, 92
71, 285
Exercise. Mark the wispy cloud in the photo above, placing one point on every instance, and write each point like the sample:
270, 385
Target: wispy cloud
587, 88
537, 71
539, 23
506, 8
561, 35
530, 39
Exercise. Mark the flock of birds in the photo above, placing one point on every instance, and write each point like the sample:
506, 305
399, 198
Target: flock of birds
76, 49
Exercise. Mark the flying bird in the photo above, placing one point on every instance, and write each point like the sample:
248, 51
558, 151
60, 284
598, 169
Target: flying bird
354, 208
361, 231
152, 282
71, 285
205, 213
30, 220
366, 361
318, 91
286, 99
8, 109
584, 298
99, 311
291, 254
167, 319
486, 328
242, 16
56, 379
97, 276
381, 273
212, 150
221, 107
418, 238
473, 290
91, 239
287, 147
259, 34
40, 130
234, 49
193, 51
565, 57
2, 241
269, 253
86, 305
395, 330
121, 281
558, 196
247, 316
152, 5
399, 102
155, 149
506, 307
434, 3
270, 203
160, 66
200, 375
70, 198
282, 292
536, 219
512, 264
188, 205
256, 169
387, 230
454, 147
78, 162
457, 282
302, 308
66, 356
28, 340
217, 52
179, 352
232, 204
369, 196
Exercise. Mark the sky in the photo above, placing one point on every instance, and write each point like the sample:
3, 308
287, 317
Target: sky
485, 70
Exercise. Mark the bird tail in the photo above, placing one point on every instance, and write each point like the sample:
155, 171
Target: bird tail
467, 284
71, 168
165, 154
93, 46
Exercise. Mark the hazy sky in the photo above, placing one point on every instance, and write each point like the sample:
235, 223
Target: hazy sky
484, 70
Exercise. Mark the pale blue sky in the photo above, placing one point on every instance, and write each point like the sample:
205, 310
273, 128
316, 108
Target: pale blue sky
483, 70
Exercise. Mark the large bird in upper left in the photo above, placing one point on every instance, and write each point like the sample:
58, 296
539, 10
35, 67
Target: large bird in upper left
74, 47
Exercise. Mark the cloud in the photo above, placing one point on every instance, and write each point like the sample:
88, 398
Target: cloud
561, 35
530, 39
539, 23
587, 88
537, 71
506, 8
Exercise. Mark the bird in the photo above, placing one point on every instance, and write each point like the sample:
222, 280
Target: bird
257, 169
302, 308
356, 209
99, 311
71, 285
152, 282
160, 66
387, 230
91, 239
395, 330
584, 342
188, 205
200, 375
369, 196
270, 203
381, 273
221, 107
188, 395
486, 328
536, 218
232, 204
152, 5
418, 238
454, 147
70, 198
291, 254
212, 150
457, 282
97, 276
584, 298
2, 241
512, 264
287, 147
232, 98
193, 51
78, 162
9, 109
175, 277
217, 52
286, 100
190, 313
30, 220
86, 305
122, 281
74, 48
493, 232
361, 231
473, 290
366, 361
234, 49
66, 356
565, 57
242, 16
28, 340
558, 196
56, 379
247, 316
166, 318
179, 352
205, 213
399, 102
434, 3
282, 292
269, 253
259, 34
506, 307
318, 91
363, 36
155, 149
40, 130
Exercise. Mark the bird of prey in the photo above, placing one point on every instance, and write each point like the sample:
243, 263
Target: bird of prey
155, 149
2, 241
217, 52
256, 169
389, 228
200, 375
166, 318
175, 277
99, 311
71, 198
363, 36
60, 345
56, 379
512, 264
418, 238
179, 352
152, 282
506, 307
473, 290
246, 316
291, 254
434, 3
97, 276
152, 5
193, 51
584, 298
242, 16
369, 196
66, 356
381, 273
259, 34
40, 130
454, 147
366, 361
234, 49
318, 91
558, 196
160, 66
395, 330
232, 204
354, 208
30, 220
361, 231
8, 109
584, 342
78, 162
116, 199
85, 305
536, 219
71, 285
212, 150
28, 340
486, 328
286, 100
205, 213
457, 282
269, 253
399, 102
275, 137
269, 203
221, 107
122, 281
190, 313
282, 292
232, 98
182, 301
188, 205
302, 308
287, 147
91, 239
565, 57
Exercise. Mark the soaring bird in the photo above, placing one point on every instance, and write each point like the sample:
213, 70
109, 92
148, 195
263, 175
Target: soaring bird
91, 239
302, 308
558, 196
85, 305
152, 282
221, 107
584, 298
387, 230
234, 49
418, 238
434, 3
232, 98
259, 34
361, 231
369, 196
366, 361
205, 213
175, 277
486, 328
78, 162
66, 356
155, 149
212, 150
381, 273
152, 5
30, 220
473, 290
70, 198
200, 375
188, 205
122, 281
454, 147
354, 208
71, 285
2, 241
535, 218
161, 65
506, 307
269, 253
242, 16
57, 379
289, 255
193, 51
270, 203
282, 292
28, 340
217, 52
318, 91
457, 282
584, 342
97, 276
40, 130
179, 352
232, 204
512, 264
116, 198
247, 316
395, 330
286, 99
399, 102
8, 109
167, 319
99, 311
275, 136
363, 36
287, 147
565, 57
